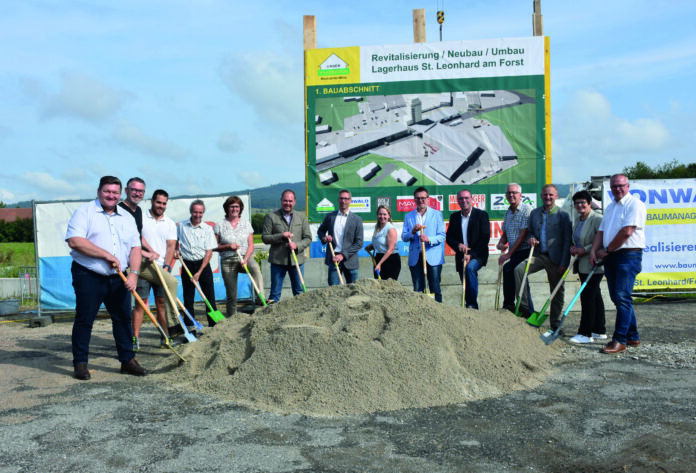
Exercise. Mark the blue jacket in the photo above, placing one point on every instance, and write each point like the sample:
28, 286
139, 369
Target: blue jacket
434, 230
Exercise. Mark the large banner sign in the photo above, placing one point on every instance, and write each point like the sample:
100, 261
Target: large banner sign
54, 260
669, 259
384, 120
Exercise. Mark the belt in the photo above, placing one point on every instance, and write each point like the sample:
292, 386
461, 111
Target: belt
627, 250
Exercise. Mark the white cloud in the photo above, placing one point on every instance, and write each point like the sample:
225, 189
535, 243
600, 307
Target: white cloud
589, 139
269, 82
252, 178
84, 97
132, 136
45, 184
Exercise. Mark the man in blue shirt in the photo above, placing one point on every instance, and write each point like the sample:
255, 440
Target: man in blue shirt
425, 226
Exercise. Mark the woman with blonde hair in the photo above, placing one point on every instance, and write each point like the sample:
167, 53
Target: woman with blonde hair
233, 233
384, 241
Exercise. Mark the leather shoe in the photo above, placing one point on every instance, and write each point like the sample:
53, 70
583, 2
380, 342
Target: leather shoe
613, 348
133, 367
81, 372
633, 343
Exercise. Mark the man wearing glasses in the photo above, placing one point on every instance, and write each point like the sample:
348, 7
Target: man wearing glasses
344, 230
425, 225
619, 243
514, 237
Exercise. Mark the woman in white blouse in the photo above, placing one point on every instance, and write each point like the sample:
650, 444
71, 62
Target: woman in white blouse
387, 259
233, 234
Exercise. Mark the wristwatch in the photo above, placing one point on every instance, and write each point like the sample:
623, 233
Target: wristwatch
606, 250
167, 267
137, 273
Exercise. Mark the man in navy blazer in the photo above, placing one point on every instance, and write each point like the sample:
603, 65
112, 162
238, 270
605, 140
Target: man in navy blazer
469, 231
344, 230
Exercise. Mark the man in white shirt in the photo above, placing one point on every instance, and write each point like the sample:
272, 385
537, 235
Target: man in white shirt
196, 243
103, 240
159, 232
619, 243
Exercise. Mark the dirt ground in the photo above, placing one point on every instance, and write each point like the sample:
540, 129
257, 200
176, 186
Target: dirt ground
631, 412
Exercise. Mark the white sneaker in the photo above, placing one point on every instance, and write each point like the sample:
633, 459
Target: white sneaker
598, 336
581, 339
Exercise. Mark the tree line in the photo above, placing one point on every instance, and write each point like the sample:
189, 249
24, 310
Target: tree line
17, 231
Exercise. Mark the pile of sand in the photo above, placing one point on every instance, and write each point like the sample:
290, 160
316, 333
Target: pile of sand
365, 347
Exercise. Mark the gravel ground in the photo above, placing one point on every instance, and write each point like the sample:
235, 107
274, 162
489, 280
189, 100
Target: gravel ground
631, 412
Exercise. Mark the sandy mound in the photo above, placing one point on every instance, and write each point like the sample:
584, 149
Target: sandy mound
365, 347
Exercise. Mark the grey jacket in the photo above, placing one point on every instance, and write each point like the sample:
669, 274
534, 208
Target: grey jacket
559, 232
273, 228
352, 238
587, 235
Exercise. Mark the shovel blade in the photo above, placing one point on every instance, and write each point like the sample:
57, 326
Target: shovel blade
216, 315
190, 337
537, 320
549, 337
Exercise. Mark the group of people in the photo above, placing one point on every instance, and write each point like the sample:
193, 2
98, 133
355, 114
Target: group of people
109, 238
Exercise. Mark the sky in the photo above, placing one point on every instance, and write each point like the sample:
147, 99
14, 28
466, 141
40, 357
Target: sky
206, 96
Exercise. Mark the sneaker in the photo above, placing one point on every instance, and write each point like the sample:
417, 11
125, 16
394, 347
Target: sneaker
599, 336
581, 339
136, 344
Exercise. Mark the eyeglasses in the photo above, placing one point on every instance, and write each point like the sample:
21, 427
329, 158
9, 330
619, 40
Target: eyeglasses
580, 203
421, 198
511, 192
618, 186
135, 191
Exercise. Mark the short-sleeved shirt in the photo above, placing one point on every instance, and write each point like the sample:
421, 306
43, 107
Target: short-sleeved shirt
228, 234
195, 241
115, 233
157, 232
515, 222
628, 212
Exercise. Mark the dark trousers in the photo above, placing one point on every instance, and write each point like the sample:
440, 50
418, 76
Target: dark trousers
91, 290
189, 289
391, 267
592, 319
509, 293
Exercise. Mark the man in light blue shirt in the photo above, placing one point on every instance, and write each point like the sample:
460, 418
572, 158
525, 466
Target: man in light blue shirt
102, 240
424, 226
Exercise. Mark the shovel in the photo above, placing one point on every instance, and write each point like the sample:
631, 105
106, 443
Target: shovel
537, 319
196, 323
152, 317
550, 336
216, 315
333, 255
500, 280
299, 273
425, 272
189, 336
258, 292
374, 263
464, 279
524, 281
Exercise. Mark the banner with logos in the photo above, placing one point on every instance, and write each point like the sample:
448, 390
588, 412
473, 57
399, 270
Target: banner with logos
384, 120
669, 258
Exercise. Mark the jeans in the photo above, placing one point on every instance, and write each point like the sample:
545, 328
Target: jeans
509, 292
205, 281
621, 270
278, 272
471, 294
434, 275
91, 290
349, 275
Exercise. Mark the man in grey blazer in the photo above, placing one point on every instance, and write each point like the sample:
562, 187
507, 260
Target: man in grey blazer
344, 230
287, 231
549, 231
